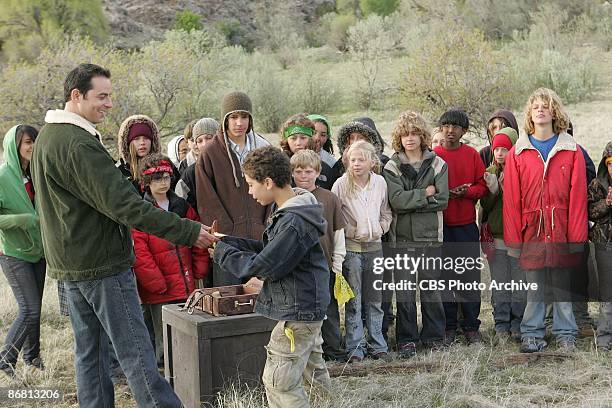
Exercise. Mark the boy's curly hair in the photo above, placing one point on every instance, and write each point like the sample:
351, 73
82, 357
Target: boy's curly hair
147, 162
268, 161
407, 122
560, 120
300, 120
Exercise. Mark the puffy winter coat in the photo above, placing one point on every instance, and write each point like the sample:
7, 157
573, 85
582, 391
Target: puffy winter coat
545, 204
165, 272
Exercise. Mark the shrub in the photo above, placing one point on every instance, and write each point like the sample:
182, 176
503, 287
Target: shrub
188, 21
459, 69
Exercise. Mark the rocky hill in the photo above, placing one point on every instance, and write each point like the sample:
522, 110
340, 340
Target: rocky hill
134, 22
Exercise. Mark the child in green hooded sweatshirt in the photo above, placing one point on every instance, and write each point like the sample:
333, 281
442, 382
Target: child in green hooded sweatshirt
21, 251
508, 305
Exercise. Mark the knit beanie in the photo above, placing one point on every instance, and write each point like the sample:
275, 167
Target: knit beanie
205, 126
324, 120
139, 129
505, 137
236, 102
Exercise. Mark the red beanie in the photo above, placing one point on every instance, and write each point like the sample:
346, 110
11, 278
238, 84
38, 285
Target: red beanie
501, 140
139, 129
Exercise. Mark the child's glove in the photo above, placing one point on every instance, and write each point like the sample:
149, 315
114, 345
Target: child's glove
492, 182
342, 291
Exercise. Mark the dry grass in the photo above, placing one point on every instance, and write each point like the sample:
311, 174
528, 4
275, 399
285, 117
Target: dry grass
462, 376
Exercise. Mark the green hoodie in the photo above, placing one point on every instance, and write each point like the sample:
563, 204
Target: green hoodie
19, 228
492, 204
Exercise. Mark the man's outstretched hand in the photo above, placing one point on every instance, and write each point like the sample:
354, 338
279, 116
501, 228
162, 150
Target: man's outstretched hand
205, 239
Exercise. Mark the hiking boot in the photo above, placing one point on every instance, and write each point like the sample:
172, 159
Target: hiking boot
9, 370
567, 344
36, 363
586, 331
407, 350
450, 336
473, 337
532, 345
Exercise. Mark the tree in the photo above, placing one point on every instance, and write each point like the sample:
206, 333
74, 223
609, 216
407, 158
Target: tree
380, 7
27, 26
370, 44
460, 69
188, 21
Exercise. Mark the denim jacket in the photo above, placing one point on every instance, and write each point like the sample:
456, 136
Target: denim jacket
290, 261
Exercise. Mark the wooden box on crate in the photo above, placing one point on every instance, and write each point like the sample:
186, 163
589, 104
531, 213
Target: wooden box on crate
205, 353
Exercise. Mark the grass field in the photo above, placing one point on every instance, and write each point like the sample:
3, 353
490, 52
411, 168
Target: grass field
478, 376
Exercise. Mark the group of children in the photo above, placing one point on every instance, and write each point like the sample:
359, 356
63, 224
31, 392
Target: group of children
321, 217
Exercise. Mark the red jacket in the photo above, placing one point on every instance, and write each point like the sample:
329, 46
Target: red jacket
464, 167
165, 272
545, 204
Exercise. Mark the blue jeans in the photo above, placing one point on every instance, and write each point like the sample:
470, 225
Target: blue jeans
564, 324
109, 308
358, 270
508, 305
27, 281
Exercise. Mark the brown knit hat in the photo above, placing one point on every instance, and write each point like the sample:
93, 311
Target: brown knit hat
236, 102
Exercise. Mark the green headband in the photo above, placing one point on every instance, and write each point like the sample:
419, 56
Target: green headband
295, 129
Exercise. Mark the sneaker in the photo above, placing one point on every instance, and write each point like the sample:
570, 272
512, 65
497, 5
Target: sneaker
407, 350
435, 346
450, 336
502, 335
36, 363
355, 359
473, 337
532, 345
567, 344
381, 355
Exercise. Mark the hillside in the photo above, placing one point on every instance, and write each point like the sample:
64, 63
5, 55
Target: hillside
134, 22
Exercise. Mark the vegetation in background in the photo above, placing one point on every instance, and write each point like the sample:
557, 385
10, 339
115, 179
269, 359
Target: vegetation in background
427, 54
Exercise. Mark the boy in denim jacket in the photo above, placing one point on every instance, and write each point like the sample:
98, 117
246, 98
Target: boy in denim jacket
293, 267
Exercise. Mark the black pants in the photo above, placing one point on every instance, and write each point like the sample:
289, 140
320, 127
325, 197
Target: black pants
461, 242
432, 311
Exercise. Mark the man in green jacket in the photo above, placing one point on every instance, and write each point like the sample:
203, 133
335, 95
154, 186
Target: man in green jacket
87, 209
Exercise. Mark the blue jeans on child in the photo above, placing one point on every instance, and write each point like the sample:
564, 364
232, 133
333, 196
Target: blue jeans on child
358, 269
27, 281
109, 308
564, 324
508, 305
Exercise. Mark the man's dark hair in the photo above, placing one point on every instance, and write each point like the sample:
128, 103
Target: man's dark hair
80, 78
456, 117
268, 161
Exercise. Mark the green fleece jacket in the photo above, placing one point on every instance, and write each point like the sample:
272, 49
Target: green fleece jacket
492, 204
417, 219
493, 207
87, 207
19, 229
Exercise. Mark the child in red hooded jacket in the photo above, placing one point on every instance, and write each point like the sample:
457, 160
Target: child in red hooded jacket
165, 272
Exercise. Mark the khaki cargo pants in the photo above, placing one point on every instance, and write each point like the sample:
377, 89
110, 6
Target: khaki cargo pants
295, 355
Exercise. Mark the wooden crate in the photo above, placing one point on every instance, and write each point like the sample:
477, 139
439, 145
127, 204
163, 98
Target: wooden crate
204, 353
228, 300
